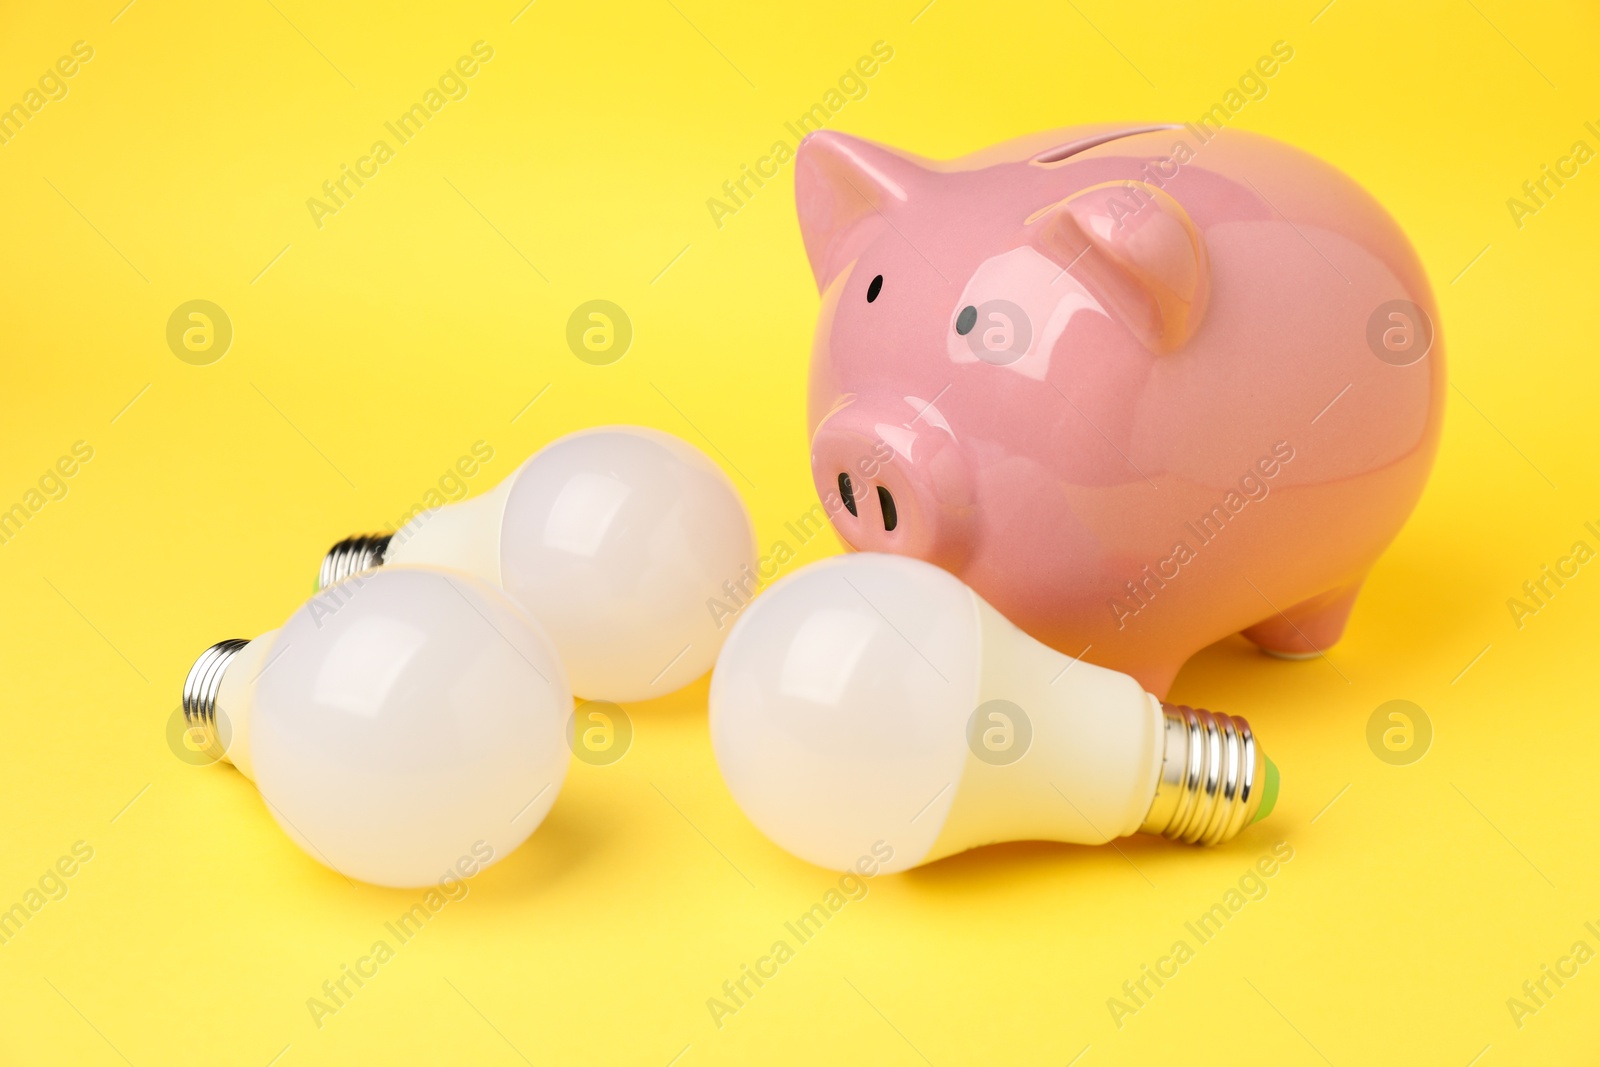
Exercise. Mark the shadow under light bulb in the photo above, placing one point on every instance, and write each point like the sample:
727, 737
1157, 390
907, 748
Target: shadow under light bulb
403, 726
615, 539
874, 703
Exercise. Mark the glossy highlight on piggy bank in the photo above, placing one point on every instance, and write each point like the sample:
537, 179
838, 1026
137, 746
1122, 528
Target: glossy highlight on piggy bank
1141, 386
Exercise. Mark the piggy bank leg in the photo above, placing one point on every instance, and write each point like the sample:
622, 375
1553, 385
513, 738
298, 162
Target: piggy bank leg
1309, 628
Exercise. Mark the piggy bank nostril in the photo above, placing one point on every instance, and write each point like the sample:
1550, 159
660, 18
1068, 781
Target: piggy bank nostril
848, 492
966, 320
891, 518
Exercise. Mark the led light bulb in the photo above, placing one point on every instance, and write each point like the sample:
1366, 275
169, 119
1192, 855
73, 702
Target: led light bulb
616, 539
873, 709
402, 726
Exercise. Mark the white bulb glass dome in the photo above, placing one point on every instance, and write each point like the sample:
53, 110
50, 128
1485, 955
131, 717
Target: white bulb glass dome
402, 722
617, 539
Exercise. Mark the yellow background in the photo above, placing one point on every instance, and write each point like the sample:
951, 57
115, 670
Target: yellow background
428, 312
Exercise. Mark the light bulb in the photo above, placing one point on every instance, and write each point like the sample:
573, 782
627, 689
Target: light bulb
872, 709
402, 726
616, 539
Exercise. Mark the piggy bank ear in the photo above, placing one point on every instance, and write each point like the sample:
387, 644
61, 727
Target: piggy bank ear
842, 185
1138, 251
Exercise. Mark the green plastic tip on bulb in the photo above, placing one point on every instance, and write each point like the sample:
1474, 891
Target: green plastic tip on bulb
1269, 794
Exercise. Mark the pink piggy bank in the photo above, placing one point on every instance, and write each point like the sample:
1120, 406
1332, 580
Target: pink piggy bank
1140, 387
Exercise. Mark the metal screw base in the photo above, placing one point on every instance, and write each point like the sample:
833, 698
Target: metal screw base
201, 687
352, 556
1212, 776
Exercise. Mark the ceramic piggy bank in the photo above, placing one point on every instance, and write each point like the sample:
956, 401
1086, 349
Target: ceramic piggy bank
1141, 387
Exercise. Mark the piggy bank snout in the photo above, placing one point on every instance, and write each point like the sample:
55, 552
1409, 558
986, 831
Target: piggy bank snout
893, 485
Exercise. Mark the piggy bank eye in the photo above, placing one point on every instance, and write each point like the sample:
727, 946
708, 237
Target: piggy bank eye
874, 288
966, 320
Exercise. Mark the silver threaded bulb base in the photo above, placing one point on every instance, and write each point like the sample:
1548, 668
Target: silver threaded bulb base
352, 556
1213, 776
200, 690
